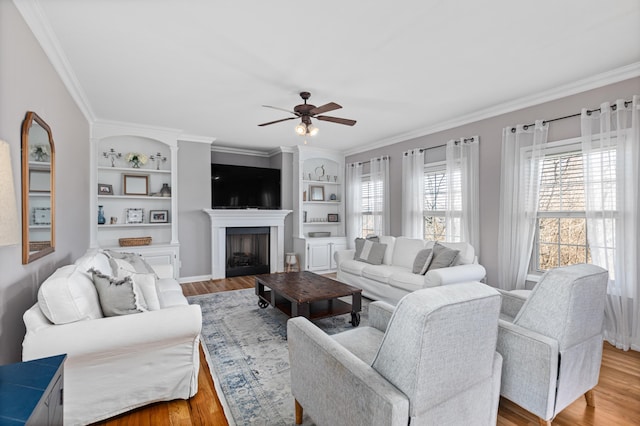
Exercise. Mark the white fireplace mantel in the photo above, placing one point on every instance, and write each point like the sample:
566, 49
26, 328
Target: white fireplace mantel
231, 218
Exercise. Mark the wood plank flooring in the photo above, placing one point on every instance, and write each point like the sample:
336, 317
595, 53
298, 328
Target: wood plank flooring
617, 394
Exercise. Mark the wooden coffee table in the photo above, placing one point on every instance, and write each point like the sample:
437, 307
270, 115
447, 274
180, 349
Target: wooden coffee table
309, 295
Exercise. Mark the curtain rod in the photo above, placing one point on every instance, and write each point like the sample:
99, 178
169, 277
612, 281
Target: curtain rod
589, 111
388, 157
471, 139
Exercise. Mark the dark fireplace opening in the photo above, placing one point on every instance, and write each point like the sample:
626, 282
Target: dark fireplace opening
247, 251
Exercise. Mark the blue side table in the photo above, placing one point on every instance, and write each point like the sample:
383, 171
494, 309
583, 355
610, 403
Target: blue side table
31, 392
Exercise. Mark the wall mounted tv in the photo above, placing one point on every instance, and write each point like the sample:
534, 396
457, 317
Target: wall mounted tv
242, 187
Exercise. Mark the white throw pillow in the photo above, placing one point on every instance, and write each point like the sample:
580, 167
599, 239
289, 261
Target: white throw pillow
69, 295
96, 260
145, 286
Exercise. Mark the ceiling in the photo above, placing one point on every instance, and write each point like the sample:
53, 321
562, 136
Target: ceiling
399, 68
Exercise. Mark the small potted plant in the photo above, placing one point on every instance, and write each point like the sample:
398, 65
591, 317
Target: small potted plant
136, 159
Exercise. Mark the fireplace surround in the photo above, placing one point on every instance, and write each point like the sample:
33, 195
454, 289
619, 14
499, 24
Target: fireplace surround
221, 219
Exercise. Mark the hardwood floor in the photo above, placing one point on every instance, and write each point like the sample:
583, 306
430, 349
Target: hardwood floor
617, 394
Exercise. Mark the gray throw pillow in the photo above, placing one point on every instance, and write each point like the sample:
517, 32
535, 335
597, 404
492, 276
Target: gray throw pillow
137, 261
422, 261
443, 257
116, 296
369, 251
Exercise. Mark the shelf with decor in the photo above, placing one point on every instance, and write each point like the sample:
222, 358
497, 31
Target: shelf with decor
134, 183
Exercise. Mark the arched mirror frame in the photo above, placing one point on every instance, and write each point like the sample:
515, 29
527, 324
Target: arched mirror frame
29, 255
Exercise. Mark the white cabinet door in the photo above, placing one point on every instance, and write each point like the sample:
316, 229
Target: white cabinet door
318, 256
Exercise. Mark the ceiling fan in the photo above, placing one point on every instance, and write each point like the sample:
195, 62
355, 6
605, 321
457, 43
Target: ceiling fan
307, 111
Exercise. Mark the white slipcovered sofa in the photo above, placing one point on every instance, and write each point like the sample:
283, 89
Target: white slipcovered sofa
115, 363
393, 279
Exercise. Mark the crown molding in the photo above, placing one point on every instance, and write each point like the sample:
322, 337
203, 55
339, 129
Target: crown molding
579, 86
35, 19
239, 151
196, 139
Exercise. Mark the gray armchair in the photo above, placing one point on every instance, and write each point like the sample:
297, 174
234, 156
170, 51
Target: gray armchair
432, 360
551, 341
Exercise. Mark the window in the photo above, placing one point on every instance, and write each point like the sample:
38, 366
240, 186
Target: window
369, 210
561, 229
436, 186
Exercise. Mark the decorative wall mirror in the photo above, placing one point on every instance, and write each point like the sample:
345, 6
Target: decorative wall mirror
38, 189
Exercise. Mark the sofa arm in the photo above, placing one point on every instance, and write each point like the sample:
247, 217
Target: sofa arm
529, 368
331, 384
380, 315
454, 275
511, 303
341, 255
111, 336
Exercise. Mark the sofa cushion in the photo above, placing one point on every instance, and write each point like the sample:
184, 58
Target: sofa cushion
422, 261
388, 253
369, 251
97, 260
381, 273
405, 251
68, 295
467, 253
443, 257
354, 267
407, 281
170, 293
116, 295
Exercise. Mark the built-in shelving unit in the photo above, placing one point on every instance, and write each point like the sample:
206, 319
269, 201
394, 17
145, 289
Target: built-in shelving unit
318, 207
122, 208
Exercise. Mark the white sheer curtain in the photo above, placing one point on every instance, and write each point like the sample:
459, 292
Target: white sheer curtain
462, 168
522, 155
379, 172
611, 158
413, 193
353, 202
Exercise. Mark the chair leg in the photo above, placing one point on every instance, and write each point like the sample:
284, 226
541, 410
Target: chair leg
590, 397
544, 422
298, 413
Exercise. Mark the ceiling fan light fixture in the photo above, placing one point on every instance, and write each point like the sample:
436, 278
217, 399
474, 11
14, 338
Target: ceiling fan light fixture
301, 129
312, 130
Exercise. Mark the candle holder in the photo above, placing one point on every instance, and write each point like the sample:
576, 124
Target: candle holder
158, 158
113, 155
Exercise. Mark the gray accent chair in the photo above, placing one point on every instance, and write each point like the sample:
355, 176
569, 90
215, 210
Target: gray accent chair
551, 341
431, 360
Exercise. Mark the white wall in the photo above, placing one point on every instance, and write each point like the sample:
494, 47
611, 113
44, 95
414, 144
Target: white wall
28, 82
490, 132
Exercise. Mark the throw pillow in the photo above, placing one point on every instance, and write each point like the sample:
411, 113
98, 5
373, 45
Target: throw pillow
140, 265
422, 261
116, 296
369, 251
443, 257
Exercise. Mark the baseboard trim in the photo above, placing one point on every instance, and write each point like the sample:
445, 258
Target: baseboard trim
184, 280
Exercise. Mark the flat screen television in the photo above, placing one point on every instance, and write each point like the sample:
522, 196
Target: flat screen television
243, 187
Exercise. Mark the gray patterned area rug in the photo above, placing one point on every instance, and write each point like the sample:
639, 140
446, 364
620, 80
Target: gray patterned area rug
249, 356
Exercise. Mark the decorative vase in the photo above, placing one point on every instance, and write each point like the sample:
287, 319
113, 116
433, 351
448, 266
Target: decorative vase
101, 218
165, 191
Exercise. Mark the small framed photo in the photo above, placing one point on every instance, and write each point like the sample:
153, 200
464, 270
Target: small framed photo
158, 216
332, 217
41, 216
316, 193
39, 181
136, 184
134, 216
105, 189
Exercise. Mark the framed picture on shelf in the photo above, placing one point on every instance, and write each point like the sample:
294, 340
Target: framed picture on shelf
105, 189
41, 215
316, 193
158, 216
39, 181
134, 216
136, 184
332, 217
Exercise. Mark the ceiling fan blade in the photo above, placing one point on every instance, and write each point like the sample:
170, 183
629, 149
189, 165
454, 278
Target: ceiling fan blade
344, 121
325, 108
282, 109
277, 121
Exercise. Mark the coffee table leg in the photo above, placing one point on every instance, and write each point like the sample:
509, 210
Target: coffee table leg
356, 307
300, 310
